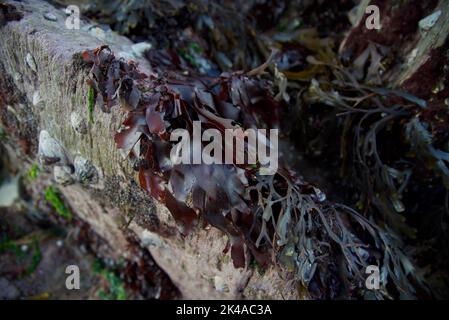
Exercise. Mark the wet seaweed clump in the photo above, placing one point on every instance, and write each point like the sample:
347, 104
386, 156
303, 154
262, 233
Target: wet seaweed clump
278, 218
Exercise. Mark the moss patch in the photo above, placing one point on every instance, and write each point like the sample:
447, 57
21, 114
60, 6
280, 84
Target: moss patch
53, 197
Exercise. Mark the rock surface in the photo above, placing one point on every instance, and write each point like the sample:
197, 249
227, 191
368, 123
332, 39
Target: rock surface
42, 55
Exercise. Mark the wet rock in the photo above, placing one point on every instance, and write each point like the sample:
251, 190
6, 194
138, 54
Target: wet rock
98, 33
8, 290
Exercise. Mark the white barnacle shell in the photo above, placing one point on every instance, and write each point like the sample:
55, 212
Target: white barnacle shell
50, 16
139, 48
50, 150
220, 284
85, 171
30, 62
62, 175
78, 123
428, 22
36, 98
320, 195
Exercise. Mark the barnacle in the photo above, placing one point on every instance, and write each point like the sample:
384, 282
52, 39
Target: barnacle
62, 175
50, 150
78, 123
85, 171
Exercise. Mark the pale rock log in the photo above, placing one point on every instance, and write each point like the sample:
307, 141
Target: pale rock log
40, 60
